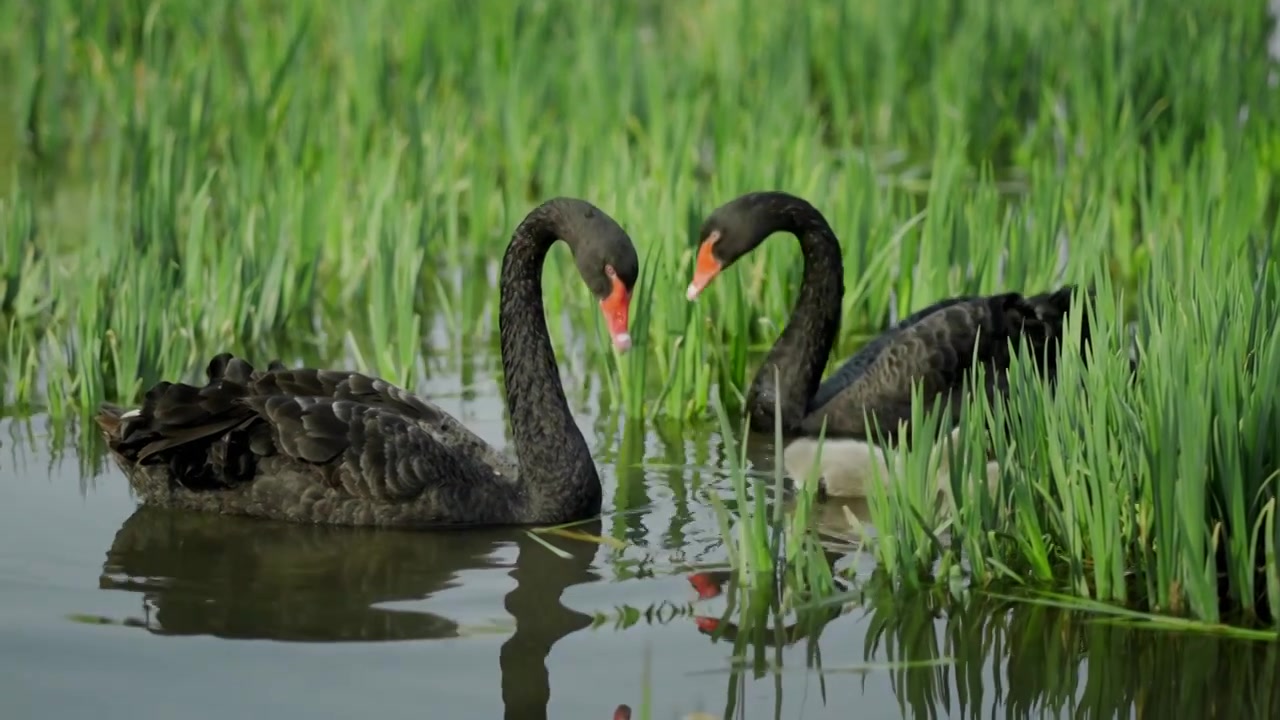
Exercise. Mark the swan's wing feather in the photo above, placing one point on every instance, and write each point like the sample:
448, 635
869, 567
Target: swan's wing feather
934, 349
852, 369
372, 452
928, 310
350, 385
375, 392
213, 436
177, 414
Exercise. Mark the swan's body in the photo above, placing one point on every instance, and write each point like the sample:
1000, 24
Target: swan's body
934, 347
848, 468
340, 447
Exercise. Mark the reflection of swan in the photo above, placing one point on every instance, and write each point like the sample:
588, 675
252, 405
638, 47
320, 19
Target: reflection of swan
987, 656
241, 578
710, 584
831, 518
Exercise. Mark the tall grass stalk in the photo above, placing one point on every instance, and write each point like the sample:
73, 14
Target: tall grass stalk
775, 560
335, 185
1152, 489
251, 160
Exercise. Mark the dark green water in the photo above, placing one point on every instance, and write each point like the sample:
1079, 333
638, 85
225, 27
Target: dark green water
109, 611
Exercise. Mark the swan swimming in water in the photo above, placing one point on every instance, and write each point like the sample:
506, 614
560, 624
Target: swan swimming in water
343, 448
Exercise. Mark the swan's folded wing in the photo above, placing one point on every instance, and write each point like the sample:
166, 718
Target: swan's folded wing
373, 452
857, 364
928, 310
226, 369
933, 350
342, 385
214, 436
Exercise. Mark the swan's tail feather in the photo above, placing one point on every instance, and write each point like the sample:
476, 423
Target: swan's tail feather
198, 432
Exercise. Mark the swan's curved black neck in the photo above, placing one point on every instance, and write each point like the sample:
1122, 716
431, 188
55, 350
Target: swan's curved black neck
558, 478
800, 353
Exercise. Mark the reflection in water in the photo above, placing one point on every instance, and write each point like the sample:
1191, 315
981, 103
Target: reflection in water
830, 516
986, 657
1039, 661
244, 578
879, 653
968, 658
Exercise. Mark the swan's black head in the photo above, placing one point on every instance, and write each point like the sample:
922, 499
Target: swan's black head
737, 227
606, 259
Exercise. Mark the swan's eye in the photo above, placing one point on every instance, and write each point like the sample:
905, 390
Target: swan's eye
608, 270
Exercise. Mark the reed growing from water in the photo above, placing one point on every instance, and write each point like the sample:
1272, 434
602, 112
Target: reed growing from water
333, 184
1153, 490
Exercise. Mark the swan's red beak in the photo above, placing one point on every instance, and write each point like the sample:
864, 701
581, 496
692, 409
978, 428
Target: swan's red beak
707, 267
617, 311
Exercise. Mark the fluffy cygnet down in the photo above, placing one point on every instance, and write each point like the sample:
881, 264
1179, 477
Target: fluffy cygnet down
848, 467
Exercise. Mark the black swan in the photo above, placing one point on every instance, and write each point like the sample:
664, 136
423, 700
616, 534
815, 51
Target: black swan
343, 448
934, 346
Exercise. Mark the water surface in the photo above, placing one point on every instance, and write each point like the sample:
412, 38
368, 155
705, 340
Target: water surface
108, 610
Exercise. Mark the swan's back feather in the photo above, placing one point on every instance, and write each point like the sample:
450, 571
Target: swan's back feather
311, 445
857, 364
936, 347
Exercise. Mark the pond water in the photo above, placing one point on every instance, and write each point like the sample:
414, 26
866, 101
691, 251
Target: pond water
111, 611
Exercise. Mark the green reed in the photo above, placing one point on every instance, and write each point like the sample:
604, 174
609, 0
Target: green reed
963, 652
335, 185
778, 563
282, 173
1155, 489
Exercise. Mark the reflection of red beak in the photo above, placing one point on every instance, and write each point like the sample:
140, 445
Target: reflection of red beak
707, 624
704, 585
706, 268
622, 713
617, 309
